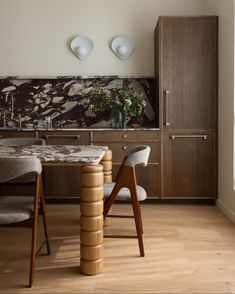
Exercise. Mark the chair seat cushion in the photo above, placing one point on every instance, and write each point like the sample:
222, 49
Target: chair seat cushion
14, 209
124, 193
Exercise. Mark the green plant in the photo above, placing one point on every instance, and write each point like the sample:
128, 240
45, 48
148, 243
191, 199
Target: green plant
129, 102
97, 99
126, 101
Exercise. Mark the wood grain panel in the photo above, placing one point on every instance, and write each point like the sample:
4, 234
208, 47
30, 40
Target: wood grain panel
65, 138
17, 134
188, 52
122, 136
189, 249
189, 165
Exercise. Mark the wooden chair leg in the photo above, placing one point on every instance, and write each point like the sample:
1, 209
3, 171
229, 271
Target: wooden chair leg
128, 180
34, 233
138, 221
141, 222
43, 206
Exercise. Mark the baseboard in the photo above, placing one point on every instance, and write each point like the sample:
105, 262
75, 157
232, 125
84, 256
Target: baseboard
226, 210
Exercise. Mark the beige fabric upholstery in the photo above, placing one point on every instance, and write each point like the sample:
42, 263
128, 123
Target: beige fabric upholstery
135, 155
15, 168
21, 141
138, 154
15, 209
124, 193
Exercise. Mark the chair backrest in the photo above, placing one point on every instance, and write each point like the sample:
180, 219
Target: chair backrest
138, 154
21, 141
13, 168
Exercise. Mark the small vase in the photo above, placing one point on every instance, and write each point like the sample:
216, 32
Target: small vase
135, 121
116, 119
123, 121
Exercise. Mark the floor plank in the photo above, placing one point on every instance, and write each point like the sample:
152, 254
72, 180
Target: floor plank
189, 249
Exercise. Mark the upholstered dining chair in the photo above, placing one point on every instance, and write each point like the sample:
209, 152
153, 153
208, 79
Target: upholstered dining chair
23, 211
21, 141
125, 188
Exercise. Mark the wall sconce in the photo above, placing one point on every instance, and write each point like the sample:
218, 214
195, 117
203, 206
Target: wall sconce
82, 47
122, 46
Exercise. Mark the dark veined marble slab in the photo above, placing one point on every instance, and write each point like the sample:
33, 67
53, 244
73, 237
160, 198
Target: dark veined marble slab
57, 153
60, 98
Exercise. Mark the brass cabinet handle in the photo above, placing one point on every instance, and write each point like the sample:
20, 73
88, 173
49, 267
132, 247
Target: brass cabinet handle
63, 136
124, 136
173, 137
166, 92
124, 147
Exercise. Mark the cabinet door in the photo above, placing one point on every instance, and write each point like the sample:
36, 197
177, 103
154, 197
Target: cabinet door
189, 165
62, 181
188, 70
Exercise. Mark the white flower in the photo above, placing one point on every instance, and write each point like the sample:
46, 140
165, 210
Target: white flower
128, 102
143, 103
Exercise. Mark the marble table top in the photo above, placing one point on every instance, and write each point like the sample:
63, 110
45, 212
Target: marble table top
57, 153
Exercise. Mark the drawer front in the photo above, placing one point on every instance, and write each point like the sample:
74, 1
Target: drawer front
68, 138
119, 150
120, 136
17, 134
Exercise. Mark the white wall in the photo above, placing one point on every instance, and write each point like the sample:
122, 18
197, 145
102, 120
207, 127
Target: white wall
225, 10
35, 34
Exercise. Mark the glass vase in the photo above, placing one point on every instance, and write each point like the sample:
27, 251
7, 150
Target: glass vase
118, 119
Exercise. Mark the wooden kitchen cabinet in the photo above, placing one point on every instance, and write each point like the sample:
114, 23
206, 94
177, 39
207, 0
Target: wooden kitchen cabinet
189, 164
126, 136
186, 64
186, 60
64, 182
65, 138
16, 134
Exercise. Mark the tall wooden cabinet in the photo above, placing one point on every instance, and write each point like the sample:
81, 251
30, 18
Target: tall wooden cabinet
186, 73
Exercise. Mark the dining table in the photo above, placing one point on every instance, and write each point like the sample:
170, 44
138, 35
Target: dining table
96, 168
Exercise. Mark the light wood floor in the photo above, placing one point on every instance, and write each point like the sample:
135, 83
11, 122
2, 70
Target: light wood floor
189, 249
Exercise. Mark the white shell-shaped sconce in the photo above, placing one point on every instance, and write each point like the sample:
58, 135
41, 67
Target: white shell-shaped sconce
81, 47
122, 46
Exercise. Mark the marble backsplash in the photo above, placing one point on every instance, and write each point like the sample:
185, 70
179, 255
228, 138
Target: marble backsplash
25, 102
